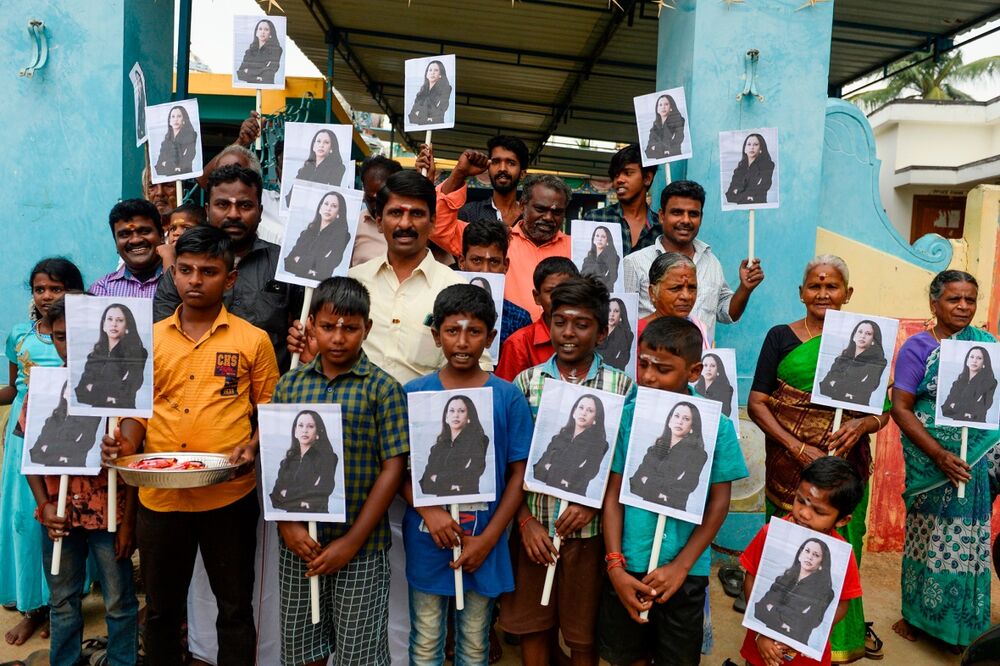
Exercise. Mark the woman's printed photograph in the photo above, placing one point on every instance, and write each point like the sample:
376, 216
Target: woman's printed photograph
574, 439
718, 382
319, 154
597, 251
259, 52
174, 132
748, 160
967, 384
618, 348
56, 442
661, 121
855, 356
800, 576
670, 452
429, 93
493, 283
138, 80
452, 459
319, 233
302, 462
109, 356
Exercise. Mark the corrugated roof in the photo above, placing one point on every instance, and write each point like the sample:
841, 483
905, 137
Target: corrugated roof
566, 67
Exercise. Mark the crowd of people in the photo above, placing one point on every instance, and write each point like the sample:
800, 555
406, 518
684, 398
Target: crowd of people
403, 321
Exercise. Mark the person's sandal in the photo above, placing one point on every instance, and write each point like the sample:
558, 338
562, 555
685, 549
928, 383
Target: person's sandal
731, 577
873, 644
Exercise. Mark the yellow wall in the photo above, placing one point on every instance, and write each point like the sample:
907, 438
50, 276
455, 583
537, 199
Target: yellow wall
270, 100
887, 285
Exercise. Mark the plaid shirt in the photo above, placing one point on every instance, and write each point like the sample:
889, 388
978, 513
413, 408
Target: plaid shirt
545, 508
373, 411
613, 215
122, 283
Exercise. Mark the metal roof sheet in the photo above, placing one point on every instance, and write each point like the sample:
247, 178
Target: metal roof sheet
535, 68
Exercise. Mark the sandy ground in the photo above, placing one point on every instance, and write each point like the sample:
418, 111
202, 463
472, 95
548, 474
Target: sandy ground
880, 579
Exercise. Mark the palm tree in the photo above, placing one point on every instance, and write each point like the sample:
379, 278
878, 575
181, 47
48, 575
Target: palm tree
931, 79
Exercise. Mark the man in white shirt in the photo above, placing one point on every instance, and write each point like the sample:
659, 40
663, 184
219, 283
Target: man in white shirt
680, 215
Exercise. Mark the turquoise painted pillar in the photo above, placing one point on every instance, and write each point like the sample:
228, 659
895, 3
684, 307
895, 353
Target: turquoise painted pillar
69, 139
703, 47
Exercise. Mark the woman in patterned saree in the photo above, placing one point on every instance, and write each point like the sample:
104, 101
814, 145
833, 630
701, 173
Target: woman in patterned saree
946, 549
796, 432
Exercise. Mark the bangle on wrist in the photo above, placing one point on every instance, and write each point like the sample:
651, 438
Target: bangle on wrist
525, 522
615, 564
878, 422
40, 510
801, 449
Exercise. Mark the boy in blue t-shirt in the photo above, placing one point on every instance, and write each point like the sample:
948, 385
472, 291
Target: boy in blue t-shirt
464, 317
669, 360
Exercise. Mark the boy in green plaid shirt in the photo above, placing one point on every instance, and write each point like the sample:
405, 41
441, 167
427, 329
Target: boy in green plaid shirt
350, 558
578, 323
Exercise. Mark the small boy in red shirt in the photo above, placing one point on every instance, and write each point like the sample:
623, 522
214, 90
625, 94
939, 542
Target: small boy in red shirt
829, 490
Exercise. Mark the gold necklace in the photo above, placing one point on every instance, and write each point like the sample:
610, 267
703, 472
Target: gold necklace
805, 322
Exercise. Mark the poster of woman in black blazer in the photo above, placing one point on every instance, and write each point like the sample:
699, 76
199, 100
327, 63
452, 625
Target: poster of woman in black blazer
319, 249
457, 459
661, 123
602, 260
748, 160
972, 393
53, 437
316, 153
260, 65
179, 145
797, 601
671, 468
307, 474
857, 371
616, 350
574, 455
430, 93
714, 382
115, 367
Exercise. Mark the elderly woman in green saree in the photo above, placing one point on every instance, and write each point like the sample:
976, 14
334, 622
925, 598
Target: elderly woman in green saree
796, 432
946, 547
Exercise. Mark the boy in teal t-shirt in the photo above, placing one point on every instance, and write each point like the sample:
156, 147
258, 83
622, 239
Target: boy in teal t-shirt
669, 359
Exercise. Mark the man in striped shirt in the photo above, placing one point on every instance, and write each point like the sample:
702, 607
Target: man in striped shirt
135, 225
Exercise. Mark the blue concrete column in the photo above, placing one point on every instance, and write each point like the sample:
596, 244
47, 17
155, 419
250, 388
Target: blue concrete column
703, 46
69, 139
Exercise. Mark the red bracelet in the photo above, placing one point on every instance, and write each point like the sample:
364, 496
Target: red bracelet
611, 557
616, 563
525, 522
39, 510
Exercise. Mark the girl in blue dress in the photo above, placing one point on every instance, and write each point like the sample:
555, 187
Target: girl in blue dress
22, 581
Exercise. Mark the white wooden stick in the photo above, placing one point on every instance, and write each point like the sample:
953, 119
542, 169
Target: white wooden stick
550, 575
753, 221
180, 192
61, 512
314, 580
838, 416
112, 484
306, 303
456, 553
654, 554
964, 453
260, 125
427, 140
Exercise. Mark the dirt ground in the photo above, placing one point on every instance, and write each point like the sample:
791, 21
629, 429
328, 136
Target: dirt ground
880, 579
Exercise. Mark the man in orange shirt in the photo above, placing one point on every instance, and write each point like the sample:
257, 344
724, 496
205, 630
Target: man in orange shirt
212, 371
536, 236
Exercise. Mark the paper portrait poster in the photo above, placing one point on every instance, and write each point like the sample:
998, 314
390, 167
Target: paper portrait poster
661, 118
429, 93
317, 153
138, 80
259, 52
855, 355
967, 384
174, 140
573, 442
670, 453
797, 587
748, 160
493, 283
619, 347
302, 462
452, 452
319, 233
109, 343
597, 252
54, 441
718, 382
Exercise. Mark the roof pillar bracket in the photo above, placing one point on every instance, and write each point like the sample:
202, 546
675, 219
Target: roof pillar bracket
750, 76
